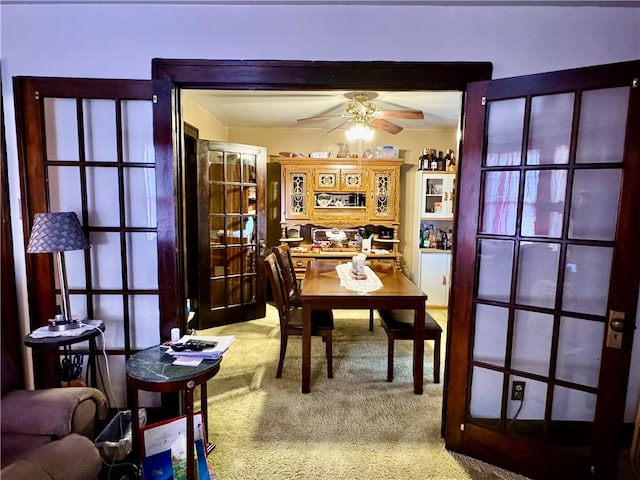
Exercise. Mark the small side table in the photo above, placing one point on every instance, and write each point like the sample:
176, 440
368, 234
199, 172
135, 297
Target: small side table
65, 341
152, 370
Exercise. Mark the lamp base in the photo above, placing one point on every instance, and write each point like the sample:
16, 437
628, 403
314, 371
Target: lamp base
57, 325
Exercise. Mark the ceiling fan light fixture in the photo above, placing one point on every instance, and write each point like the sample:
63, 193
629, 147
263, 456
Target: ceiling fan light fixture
359, 131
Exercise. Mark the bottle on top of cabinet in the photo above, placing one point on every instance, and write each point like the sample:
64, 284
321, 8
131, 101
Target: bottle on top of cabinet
437, 161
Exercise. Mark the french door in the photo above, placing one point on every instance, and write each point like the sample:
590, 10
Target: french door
231, 228
546, 271
102, 149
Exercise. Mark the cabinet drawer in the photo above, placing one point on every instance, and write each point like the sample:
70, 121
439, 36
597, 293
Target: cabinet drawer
300, 265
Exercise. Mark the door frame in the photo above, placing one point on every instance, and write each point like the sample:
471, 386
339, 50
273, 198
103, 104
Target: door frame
298, 75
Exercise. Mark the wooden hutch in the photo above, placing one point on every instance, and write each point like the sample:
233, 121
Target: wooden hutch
341, 195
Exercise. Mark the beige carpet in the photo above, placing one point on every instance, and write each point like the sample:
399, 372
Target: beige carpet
355, 426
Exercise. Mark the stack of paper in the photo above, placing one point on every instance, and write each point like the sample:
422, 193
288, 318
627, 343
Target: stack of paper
213, 353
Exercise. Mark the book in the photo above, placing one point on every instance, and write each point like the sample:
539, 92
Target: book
165, 450
219, 346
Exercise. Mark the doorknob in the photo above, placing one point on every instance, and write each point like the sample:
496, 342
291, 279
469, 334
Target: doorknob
615, 329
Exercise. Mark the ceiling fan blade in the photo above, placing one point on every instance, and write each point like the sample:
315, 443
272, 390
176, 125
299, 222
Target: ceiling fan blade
320, 117
386, 126
401, 114
341, 125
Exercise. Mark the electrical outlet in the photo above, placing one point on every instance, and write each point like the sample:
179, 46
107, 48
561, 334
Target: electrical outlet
517, 391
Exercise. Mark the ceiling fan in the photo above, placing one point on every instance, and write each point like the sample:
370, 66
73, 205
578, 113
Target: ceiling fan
360, 110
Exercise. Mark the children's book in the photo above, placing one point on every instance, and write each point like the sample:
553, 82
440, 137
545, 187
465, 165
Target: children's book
165, 450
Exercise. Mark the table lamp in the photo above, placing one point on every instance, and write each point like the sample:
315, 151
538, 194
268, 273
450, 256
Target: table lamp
58, 232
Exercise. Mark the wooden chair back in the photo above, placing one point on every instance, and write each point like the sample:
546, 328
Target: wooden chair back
275, 280
289, 280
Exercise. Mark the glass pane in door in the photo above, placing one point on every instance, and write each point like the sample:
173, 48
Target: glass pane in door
500, 202
249, 165
232, 167
103, 199
550, 129
137, 138
215, 161
65, 194
216, 198
486, 396
140, 197
580, 350
490, 334
532, 335
543, 203
504, 132
100, 130
233, 199
495, 256
61, 143
572, 414
594, 204
538, 274
603, 123
586, 281
216, 225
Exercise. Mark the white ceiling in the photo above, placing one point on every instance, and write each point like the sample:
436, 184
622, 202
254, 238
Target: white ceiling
283, 108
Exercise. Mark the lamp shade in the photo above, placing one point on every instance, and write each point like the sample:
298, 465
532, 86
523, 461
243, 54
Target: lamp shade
56, 232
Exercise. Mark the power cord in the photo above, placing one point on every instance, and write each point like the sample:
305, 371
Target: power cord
517, 413
106, 362
134, 469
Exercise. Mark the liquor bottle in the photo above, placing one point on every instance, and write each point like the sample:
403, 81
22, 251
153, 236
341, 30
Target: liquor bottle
445, 241
441, 165
423, 163
432, 236
438, 236
425, 238
451, 162
433, 159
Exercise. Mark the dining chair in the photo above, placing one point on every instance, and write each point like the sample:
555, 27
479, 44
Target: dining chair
291, 317
290, 281
398, 325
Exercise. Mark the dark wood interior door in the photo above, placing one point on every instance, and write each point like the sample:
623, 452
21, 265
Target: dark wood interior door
102, 148
546, 271
231, 232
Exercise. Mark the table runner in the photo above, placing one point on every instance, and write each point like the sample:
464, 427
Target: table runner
371, 284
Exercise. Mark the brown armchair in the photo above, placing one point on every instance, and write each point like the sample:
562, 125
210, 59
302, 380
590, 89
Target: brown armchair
48, 433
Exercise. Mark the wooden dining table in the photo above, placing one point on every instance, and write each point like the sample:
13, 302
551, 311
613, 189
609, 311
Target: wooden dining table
321, 290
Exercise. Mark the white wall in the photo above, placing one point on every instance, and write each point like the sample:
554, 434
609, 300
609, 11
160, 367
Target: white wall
119, 41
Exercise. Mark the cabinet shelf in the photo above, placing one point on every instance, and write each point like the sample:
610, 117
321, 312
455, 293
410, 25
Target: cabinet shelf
335, 207
385, 240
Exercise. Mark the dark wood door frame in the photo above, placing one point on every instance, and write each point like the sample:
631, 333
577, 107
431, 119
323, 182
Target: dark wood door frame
309, 75
313, 75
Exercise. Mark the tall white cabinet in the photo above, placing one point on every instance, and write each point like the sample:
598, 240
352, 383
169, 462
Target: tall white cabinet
435, 203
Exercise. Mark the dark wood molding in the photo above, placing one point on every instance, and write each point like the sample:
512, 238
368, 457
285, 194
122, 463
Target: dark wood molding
307, 75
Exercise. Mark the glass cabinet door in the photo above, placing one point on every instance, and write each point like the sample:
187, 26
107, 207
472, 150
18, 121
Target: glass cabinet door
297, 195
438, 191
383, 195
